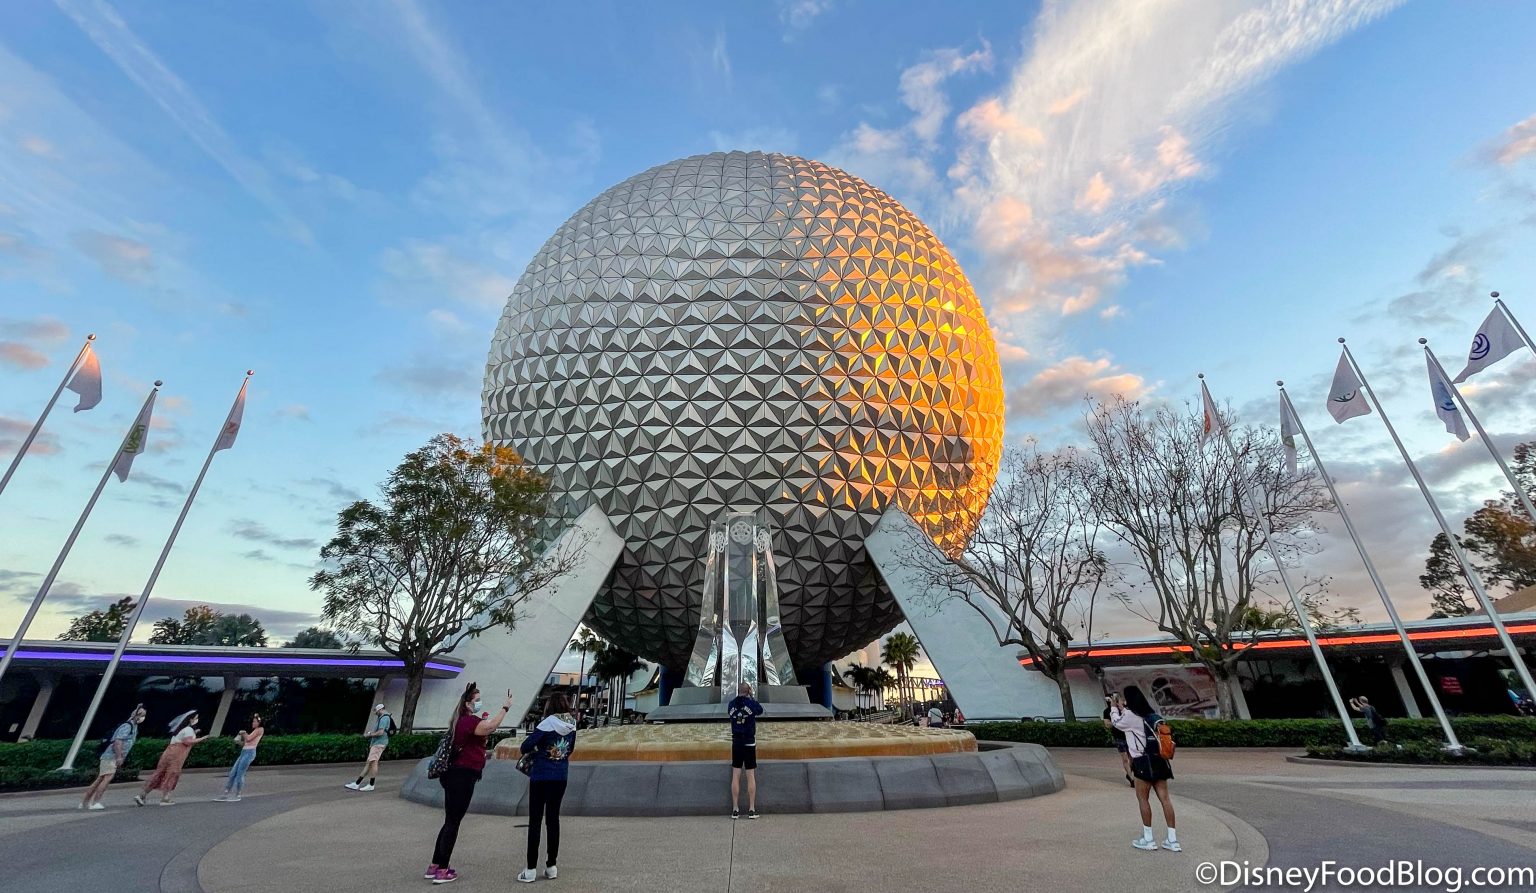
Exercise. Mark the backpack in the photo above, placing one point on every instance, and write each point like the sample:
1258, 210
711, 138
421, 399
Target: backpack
442, 758
1161, 733
105, 744
393, 729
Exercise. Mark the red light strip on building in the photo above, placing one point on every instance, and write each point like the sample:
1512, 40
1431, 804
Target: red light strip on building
1428, 635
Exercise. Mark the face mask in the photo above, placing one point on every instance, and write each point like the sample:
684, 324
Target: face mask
478, 705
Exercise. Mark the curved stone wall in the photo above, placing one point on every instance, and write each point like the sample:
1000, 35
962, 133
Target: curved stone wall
853, 784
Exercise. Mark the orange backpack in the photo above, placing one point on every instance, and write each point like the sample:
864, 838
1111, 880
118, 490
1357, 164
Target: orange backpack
1158, 731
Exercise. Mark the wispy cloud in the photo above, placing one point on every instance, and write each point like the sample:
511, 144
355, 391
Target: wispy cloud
106, 28
13, 431
433, 271
124, 259
798, 15
432, 377
256, 532
1114, 106
1515, 144
1064, 384
20, 356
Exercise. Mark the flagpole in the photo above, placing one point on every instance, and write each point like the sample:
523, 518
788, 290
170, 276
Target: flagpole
53, 572
1285, 578
1520, 493
1514, 322
1451, 743
1461, 557
31, 435
138, 609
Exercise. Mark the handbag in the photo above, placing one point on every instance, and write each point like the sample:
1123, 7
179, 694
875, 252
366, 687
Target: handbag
443, 757
525, 764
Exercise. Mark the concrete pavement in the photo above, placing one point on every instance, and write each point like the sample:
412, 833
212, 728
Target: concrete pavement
298, 830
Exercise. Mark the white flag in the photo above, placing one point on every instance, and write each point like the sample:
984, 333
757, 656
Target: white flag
1445, 404
135, 442
87, 381
1345, 400
1288, 436
1211, 422
232, 424
1495, 340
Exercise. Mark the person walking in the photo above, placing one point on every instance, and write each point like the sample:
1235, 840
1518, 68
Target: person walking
550, 745
168, 770
469, 730
235, 782
1136, 718
377, 732
743, 711
1120, 746
113, 754
1375, 723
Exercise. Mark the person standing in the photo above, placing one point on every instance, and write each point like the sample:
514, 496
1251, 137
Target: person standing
1374, 721
935, 717
550, 744
743, 711
377, 732
1136, 718
469, 730
1120, 746
112, 757
168, 771
248, 741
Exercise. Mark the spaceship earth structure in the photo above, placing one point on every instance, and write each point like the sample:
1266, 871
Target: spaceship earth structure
749, 331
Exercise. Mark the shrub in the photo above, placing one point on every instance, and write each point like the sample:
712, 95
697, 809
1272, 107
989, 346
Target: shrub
1257, 732
1482, 752
30, 778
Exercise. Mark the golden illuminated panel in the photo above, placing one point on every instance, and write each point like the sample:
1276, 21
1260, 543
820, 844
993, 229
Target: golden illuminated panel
679, 742
751, 331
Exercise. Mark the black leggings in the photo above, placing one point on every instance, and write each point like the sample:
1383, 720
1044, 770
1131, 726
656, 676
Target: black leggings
544, 804
458, 789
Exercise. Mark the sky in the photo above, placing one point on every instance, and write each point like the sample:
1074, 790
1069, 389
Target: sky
340, 196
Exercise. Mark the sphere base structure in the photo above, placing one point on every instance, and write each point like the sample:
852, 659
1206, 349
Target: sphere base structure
849, 784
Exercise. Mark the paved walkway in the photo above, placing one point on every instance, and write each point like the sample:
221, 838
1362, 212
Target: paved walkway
298, 830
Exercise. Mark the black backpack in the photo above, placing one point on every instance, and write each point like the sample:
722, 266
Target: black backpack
106, 743
393, 729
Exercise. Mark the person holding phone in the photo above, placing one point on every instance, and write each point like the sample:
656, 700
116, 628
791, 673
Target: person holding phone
469, 732
1134, 716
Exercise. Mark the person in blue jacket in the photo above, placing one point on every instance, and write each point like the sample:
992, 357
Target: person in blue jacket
550, 743
743, 711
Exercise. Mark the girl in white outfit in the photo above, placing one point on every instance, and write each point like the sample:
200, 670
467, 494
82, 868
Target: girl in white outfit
1135, 717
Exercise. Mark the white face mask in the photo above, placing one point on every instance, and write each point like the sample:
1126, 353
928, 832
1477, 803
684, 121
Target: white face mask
478, 704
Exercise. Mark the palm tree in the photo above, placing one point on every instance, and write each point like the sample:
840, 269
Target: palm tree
614, 663
901, 651
883, 680
862, 678
585, 643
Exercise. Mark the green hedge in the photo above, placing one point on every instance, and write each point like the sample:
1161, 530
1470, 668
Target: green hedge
28, 778
1256, 732
1484, 752
221, 752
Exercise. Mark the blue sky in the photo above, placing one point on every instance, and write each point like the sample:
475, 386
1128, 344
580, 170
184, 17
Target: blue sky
341, 195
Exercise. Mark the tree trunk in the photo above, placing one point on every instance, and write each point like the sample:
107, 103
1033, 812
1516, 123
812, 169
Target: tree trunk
1068, 709
413, 672
1226, 706
581, 677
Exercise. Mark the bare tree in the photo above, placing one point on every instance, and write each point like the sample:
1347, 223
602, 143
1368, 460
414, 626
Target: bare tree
1179, 507
449, 551
1032, 569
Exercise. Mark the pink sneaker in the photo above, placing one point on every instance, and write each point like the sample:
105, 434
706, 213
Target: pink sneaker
431, 874
445, 876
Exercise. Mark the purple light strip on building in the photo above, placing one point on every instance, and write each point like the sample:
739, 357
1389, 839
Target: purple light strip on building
360, 662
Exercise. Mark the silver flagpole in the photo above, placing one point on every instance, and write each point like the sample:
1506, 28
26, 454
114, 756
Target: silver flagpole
1514, 322
1524, 497
138, 609
1451, 743
1445, 527
1285, 578
53, 572
31, 435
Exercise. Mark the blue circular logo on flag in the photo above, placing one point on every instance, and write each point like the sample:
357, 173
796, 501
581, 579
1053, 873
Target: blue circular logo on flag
1480, 346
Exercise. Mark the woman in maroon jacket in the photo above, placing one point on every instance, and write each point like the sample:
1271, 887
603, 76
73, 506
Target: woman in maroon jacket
469, 732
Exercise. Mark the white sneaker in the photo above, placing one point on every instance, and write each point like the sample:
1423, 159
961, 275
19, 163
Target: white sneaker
231, 799
1144, 843
1172, 846
528, 876
366, 788
551, 872
95, 806
353, 786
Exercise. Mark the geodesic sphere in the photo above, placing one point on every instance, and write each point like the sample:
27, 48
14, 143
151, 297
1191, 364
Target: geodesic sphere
754, 332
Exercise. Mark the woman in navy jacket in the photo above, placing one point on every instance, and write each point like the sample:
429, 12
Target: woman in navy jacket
550, 744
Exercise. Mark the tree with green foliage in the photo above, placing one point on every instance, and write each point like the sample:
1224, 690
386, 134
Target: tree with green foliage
586, 643
202, 625
316, 637
902, 652
451, 549
100, 626
1499, 540
613, 664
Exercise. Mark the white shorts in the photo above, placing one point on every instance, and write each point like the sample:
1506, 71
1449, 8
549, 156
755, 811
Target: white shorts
375, 751
107, 766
